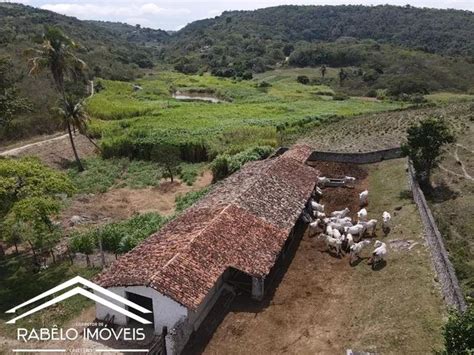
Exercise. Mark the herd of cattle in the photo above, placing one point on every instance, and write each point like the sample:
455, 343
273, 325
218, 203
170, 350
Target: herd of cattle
339, 231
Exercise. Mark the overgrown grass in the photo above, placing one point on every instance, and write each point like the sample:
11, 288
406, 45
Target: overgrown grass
102, 174
99, 176
120, 237
449, 97
188, 173
203, 130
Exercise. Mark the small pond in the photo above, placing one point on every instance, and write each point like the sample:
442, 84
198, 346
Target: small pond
189, 96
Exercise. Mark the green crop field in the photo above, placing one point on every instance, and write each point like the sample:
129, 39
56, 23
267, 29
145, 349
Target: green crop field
251, 113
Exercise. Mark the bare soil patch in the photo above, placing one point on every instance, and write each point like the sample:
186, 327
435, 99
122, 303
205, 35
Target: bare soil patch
122, 203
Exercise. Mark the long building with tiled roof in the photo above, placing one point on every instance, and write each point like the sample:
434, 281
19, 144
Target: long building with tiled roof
241, 224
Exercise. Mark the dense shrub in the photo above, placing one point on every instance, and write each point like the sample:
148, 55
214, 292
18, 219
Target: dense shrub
459, 333
247, 75
340, 97
126, 146
118, 237
302, 79
404, 85
225, 164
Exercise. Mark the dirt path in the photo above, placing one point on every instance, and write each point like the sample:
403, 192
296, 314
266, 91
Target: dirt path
56, 151
18, 150
455, 155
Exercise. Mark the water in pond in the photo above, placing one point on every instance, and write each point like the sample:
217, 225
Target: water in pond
178, 95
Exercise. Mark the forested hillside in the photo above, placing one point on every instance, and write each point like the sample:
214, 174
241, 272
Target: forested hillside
431, 30
115, 52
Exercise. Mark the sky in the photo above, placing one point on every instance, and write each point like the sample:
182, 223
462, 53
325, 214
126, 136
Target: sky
175, 14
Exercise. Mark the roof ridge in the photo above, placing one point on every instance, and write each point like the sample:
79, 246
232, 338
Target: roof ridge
214, 219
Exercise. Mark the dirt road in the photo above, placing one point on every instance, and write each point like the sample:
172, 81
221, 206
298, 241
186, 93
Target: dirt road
55, 152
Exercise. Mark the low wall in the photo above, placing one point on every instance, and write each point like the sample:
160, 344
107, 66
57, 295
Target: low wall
452, 293
356, 158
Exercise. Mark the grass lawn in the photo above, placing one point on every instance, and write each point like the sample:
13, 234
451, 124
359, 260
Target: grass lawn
403, 309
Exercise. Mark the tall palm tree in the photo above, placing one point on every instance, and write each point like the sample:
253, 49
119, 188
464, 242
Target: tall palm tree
74, 115
56, 55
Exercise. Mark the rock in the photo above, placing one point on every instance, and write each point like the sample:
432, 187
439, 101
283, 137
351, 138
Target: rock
436, 279
76, 220
398, 208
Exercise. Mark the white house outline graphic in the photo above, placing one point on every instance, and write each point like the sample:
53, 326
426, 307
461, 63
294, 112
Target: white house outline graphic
79, 290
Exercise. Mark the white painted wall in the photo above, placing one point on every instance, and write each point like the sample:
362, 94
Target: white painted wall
166, 312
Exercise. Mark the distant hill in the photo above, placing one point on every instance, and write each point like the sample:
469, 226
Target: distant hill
399, 48
448, 32
135, 34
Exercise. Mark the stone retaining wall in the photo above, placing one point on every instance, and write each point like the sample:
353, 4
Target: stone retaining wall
449, 283
357, 158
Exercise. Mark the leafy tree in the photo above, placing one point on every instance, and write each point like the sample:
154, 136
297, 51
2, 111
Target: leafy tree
288, 49
459, 333
168, 156
342, 76
424, 146
10, 102
83, 243
29, 221
74, 115
57, 55
323, 70
29, 194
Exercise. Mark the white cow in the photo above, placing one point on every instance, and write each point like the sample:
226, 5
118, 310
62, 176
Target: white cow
329, 230
337, 226
350, 240
333, 243
357, 248
362, 215
319, 191
370, 226
341, 213
317, 207
349, 180
386, 222
379, 253
336, 234
320, 215
313, 227
358, 229
363, 197
323, 180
